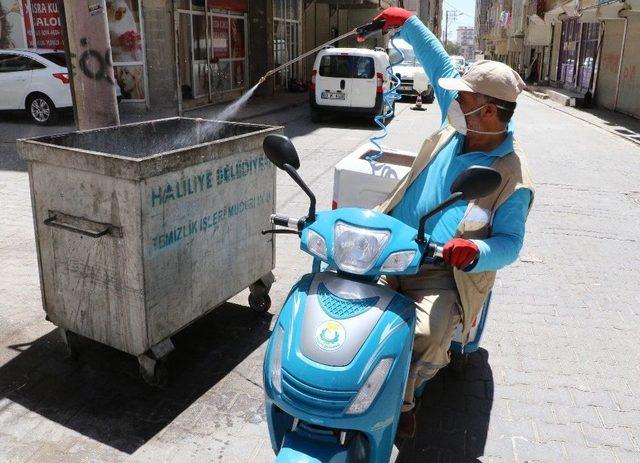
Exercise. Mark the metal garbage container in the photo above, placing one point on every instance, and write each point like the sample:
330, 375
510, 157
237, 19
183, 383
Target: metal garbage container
143, 228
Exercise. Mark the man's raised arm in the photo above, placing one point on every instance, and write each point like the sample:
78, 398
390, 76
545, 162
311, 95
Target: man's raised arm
428, 49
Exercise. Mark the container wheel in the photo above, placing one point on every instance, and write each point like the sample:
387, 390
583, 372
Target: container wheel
259, 302
159, 377
71, 343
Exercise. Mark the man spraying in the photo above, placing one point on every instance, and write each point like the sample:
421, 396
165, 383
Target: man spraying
480, 236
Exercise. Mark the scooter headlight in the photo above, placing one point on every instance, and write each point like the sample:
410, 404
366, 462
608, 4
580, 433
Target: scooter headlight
370, 388
276, 359
398, 261
356, 249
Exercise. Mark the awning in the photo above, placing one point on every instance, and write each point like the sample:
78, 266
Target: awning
572, 8
538, 34
535, 19
502, 47
551, 16
589, 15
515, 44
610, 10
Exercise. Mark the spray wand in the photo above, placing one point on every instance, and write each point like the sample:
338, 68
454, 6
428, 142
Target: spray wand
304, 55
363, 32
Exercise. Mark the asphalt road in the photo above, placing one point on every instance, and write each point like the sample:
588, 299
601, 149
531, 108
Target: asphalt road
556, 379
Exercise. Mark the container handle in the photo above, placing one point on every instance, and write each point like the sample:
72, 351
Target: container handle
80, 225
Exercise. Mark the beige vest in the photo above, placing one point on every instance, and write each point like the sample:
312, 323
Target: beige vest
472, 287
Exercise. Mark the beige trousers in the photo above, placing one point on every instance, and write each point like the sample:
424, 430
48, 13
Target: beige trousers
438, 313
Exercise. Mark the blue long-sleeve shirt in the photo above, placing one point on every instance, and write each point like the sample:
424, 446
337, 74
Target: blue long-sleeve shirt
433, 184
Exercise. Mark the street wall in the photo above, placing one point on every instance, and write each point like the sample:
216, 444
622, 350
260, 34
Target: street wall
555, 51
629, 96
628, 100
160, 54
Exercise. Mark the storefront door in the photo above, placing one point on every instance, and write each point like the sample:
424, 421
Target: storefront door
286, 39
211, 50
588, 52
228, 53
567, 65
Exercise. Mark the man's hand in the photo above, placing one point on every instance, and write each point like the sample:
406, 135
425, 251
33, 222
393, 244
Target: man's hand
460, 253
393, 17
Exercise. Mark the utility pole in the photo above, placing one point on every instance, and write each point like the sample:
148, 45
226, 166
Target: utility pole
454, 16
446, 29
88, 50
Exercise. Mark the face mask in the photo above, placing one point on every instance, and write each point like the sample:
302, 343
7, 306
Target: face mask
458, 119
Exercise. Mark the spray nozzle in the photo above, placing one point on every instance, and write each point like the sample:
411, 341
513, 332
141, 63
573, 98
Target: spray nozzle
367, 30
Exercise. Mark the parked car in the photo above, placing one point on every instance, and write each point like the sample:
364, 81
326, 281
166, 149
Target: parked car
459, 63
36, 81
407, 70
348, 80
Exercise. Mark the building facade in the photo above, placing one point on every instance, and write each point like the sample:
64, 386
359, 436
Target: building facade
181, 54
482, 24
586, 46
465, 37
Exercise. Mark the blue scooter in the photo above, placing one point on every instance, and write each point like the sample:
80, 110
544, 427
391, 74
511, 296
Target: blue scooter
337, 361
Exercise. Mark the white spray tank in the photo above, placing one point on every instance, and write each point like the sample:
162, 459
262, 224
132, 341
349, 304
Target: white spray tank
358, 182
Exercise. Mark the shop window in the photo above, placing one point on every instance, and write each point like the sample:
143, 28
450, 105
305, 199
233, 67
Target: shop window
212, 54
127, 47
286, 38
131, 81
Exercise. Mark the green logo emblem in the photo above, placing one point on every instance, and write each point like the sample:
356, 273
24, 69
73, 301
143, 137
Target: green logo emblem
330, 335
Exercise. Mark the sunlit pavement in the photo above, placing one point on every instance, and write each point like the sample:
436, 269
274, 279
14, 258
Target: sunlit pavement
556, 379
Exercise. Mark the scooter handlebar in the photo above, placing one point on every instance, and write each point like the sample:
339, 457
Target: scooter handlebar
285, 221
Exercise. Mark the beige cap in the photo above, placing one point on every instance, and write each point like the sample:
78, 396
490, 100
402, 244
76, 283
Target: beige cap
490, 78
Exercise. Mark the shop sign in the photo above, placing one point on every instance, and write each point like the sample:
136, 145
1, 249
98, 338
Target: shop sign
220, 36
231, 5
46, 24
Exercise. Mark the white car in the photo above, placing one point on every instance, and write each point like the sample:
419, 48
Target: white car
459, 64
407, 71
349, 80
36, 81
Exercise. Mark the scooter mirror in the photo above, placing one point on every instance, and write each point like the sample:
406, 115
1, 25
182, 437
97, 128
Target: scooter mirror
476, 182
280, 151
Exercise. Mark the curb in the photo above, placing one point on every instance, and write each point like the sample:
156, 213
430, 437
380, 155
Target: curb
576, 116
535, 93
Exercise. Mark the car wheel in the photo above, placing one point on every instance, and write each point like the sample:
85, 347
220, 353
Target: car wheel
41, 109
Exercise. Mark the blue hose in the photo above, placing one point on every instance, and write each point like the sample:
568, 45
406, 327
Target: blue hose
389, 97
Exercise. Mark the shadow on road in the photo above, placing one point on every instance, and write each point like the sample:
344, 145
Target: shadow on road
101, 395
453, 416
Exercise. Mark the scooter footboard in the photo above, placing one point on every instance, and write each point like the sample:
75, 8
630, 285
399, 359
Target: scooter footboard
298, 447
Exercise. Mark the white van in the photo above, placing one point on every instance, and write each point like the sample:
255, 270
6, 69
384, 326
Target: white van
407, 71
348, 80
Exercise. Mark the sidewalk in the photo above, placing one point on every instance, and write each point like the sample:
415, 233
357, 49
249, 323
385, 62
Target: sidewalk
256, 107
618, 124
